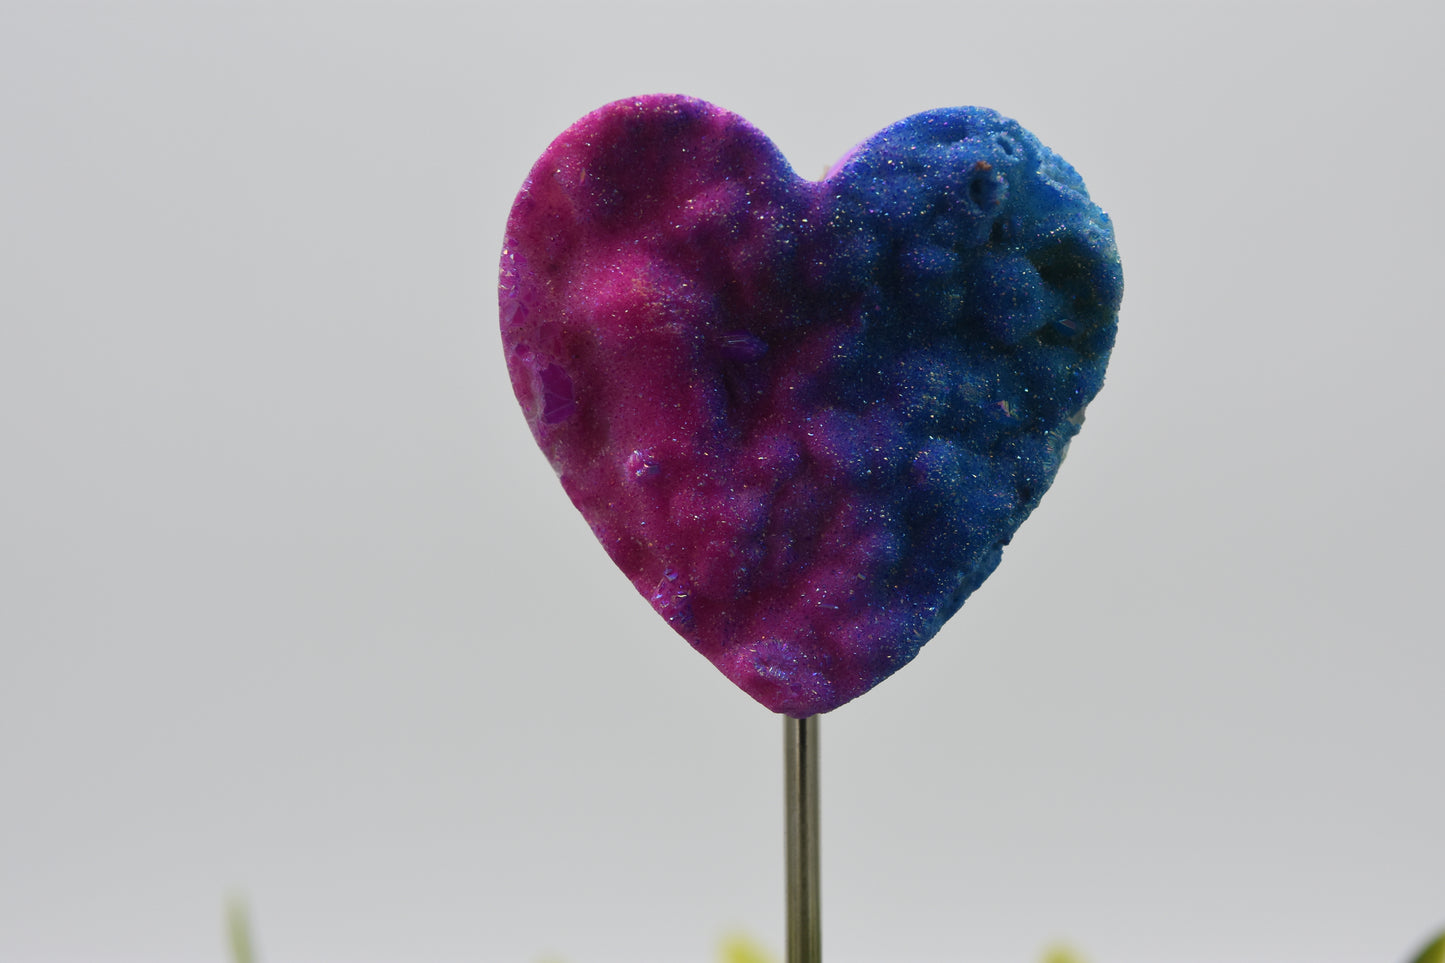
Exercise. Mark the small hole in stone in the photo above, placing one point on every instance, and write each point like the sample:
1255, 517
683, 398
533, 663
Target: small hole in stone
987, 190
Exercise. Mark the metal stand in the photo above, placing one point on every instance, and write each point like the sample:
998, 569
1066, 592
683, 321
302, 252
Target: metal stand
800, 792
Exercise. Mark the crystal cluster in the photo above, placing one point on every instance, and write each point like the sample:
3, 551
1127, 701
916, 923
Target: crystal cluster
805, 418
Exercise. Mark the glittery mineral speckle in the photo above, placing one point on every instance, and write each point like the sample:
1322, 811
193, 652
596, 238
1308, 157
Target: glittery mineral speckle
803, 417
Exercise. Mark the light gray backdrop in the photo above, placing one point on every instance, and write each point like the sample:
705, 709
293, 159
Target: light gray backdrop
291, 606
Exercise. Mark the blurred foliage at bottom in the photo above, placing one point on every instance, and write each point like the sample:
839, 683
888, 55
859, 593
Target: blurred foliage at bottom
735, 948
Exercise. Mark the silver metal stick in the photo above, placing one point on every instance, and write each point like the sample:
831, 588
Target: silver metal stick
800, 792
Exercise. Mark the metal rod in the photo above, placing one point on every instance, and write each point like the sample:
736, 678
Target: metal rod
800, 792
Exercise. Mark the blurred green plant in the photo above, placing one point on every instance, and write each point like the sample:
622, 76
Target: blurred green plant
734, 948
1434, 952
238, 931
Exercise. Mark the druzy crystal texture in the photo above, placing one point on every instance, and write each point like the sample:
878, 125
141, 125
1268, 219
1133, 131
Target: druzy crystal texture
805, 417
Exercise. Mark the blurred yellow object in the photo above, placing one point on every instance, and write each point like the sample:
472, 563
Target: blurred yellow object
738, 948
1062, 954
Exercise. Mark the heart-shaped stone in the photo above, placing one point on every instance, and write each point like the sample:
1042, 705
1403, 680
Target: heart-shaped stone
804, 417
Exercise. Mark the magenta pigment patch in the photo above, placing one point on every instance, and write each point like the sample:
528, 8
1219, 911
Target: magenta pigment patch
805, 417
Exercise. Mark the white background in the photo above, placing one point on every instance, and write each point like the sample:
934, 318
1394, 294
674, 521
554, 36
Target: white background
291, 606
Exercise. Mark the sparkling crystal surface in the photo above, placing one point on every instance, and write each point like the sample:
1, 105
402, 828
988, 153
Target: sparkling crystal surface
805, 418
